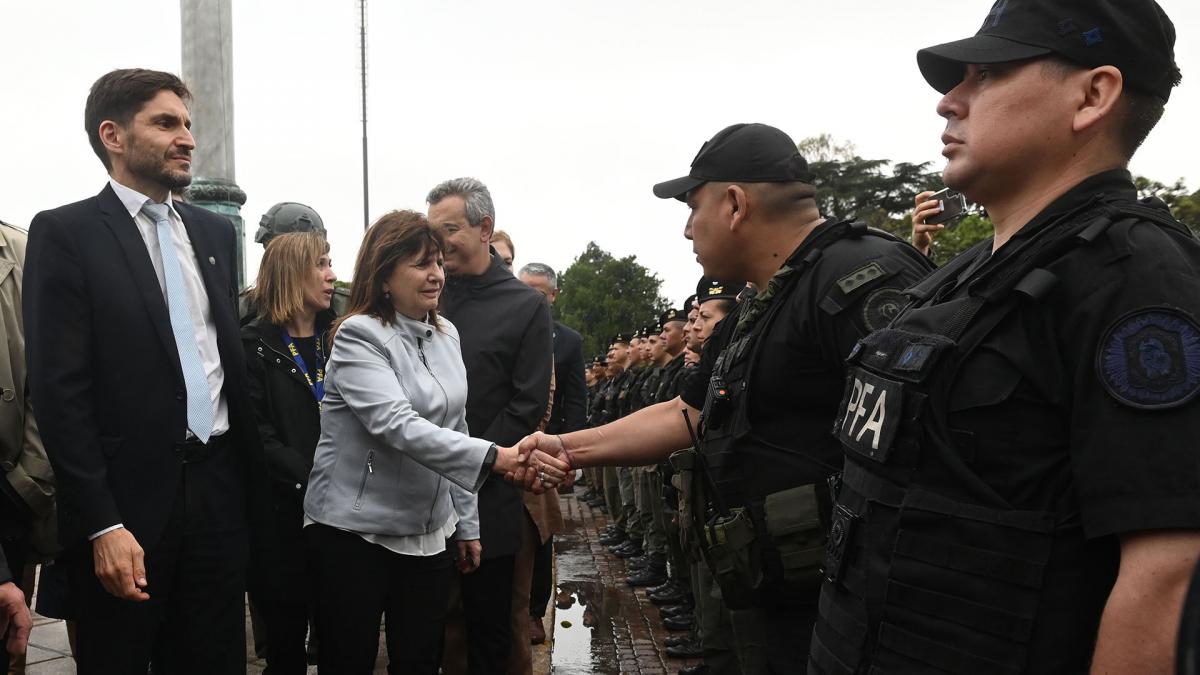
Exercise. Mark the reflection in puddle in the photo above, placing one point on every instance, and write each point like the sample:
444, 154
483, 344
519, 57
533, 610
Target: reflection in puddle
583, 636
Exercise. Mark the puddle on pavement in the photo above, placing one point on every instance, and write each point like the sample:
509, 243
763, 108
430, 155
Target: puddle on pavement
583, 634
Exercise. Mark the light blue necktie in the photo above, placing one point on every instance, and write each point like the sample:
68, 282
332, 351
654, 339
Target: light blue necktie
199, 400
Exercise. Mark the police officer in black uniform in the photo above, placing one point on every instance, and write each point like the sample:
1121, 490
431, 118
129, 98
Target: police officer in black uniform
769, 382
619, 374
1020, 492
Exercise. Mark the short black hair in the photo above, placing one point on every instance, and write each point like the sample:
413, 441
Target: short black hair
119, 95
1140, 111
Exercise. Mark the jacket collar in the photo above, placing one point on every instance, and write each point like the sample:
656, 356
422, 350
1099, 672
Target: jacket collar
259, 329
133, 201
413, 327
496, 273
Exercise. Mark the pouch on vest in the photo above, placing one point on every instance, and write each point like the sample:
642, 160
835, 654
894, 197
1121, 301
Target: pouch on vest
732, 551
793, 522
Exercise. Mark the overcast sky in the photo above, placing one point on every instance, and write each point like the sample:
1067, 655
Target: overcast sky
568, 110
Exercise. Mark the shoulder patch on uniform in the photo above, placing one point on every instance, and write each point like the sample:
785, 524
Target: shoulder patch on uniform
1150, 358
860, 277
881, 306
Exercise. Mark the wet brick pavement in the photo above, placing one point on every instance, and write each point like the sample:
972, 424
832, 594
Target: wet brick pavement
609, 627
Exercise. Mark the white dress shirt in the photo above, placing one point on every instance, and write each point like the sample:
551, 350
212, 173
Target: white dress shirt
193, 284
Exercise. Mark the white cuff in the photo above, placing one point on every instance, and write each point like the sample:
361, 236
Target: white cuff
106, 531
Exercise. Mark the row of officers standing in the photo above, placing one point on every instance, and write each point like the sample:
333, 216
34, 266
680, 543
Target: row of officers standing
984, 468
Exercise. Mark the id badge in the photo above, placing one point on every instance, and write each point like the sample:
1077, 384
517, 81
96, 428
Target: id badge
871, 413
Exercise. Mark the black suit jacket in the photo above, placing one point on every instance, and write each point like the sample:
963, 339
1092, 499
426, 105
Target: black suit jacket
104, 371
570, 386
506, 346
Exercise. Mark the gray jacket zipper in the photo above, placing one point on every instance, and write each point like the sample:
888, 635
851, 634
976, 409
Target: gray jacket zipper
446, 410
368, 470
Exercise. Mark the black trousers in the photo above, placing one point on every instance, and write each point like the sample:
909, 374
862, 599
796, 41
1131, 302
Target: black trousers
543, 579
284, 599
487, 612
356, 583
194, 621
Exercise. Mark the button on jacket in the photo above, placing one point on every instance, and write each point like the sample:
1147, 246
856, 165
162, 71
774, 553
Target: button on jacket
394, 457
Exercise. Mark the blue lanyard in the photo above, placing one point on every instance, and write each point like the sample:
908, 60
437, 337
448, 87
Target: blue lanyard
318, 386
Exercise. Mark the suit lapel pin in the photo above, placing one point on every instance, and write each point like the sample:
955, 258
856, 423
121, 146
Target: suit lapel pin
212, 260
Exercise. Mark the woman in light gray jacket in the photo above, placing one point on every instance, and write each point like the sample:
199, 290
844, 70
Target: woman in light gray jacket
395, 472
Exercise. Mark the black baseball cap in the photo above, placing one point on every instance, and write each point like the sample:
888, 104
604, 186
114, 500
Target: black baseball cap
1136, 36
671, 315
620, 337
715, 289
742, 153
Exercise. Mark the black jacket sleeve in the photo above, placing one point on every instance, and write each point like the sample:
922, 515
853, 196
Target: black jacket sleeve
530, 381
573, 385
58, 339
284, 464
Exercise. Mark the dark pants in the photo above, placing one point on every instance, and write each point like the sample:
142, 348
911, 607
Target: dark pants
487, 614
772, 640
543, 579
194, 621
284, 602
357, 583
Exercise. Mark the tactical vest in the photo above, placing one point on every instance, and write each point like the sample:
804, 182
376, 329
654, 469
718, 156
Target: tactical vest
927, 569
763, 548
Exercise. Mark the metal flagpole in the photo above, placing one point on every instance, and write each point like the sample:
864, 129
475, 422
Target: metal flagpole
362, 52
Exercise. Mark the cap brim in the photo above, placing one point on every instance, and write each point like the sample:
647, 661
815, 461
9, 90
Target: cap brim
676, 189
942, 65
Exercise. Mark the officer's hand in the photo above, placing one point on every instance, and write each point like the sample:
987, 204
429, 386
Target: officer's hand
14, 618
469, 552
120, 565
923, 233
548, 464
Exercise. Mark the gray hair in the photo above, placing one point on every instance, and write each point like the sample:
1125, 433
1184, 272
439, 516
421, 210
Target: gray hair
536, 269
474, 194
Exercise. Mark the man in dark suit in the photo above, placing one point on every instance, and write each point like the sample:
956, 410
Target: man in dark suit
570, 389
136, 370
506, 346
567, 414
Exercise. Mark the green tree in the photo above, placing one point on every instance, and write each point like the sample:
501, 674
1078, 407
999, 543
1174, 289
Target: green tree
602, 295
877, 191
1184, 205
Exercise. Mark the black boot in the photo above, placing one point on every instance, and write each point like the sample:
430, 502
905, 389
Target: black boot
698, 669
690, 649
653, 574
631, 549
674, 610
671, 596
681, 622
614, 538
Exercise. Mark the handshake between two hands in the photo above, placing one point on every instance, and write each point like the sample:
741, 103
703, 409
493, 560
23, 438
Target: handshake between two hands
538, 463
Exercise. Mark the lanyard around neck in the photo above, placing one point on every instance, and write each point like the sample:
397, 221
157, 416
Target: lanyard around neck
317, 385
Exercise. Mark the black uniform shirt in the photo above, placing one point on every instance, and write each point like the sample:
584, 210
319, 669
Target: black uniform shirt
1086, 396
798, 378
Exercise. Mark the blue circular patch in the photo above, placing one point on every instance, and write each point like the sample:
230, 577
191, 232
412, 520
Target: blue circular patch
1150, 358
